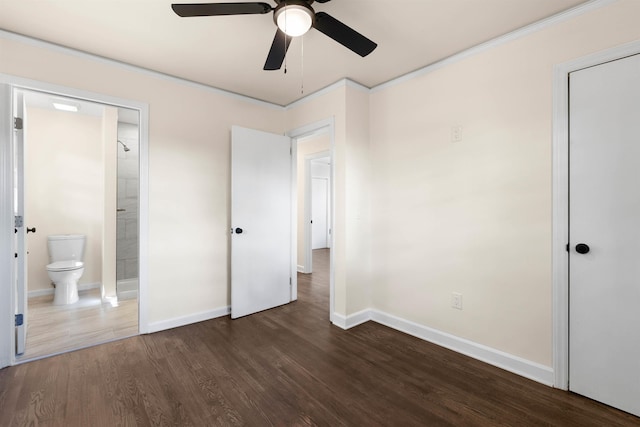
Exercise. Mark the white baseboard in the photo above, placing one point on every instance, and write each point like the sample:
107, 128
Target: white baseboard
127, 289
300, 268
517, 365
355, 319
187, 320
51, 291
126, 295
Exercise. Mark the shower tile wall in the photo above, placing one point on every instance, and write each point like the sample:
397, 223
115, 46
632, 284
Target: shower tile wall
127, 226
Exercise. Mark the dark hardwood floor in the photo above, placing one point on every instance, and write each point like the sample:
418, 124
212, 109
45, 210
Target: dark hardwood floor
288, 367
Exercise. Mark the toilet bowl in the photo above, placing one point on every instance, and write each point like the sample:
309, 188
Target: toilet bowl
65, 275
66, 267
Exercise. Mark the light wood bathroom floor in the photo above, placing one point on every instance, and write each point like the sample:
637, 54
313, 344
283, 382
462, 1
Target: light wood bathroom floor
56, 329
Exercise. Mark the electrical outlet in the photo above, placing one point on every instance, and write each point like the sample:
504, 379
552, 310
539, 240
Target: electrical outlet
456, 300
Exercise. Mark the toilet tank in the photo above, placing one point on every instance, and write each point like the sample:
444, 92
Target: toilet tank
66, 247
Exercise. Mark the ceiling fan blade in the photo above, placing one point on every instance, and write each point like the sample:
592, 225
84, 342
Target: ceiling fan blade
218, 9
278, 51
322, 1
346, 36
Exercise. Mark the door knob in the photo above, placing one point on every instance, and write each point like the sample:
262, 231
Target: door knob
582, 248
31, 230
238, 230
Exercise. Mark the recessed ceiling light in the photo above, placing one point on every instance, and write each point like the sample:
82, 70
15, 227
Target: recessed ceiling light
65, 107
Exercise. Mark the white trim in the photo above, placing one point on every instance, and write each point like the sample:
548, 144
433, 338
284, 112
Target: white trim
517, 365
352, 320
51, 291
293, 216
498, 41
325, 90
8, 35
176, 322
312, 129
316, 128
300, 268
6, 233
355, 85
143, 221
560, 260
127, 295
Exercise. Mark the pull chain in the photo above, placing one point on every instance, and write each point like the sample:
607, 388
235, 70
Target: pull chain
285, 38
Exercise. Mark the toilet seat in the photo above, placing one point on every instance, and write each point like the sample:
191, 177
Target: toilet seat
65, 265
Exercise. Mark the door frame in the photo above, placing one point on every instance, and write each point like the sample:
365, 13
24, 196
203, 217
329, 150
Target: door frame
308, 178
560, 221
321, 127
327, 230
8, 85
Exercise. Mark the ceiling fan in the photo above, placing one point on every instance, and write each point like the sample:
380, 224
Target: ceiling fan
292, 17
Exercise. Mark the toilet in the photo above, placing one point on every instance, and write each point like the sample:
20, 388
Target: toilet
66, 252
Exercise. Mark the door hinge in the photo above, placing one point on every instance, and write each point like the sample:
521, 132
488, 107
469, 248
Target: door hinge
17, 123
19, 319
290, 282
567, 247
18, 221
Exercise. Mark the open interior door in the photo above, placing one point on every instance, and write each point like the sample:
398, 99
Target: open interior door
261, 221
20, 235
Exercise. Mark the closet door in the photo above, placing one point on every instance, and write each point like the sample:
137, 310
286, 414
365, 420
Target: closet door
604, 222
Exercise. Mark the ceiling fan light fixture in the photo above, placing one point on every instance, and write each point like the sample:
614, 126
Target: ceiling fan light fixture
294, 19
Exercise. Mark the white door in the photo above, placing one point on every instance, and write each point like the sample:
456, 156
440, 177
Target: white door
261, 218
319, 213
604, 253
20, 235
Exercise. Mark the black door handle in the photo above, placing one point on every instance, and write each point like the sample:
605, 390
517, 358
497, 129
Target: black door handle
582, 248
238, 230
31, 230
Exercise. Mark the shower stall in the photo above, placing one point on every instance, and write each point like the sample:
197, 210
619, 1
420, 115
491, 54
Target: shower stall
127, 211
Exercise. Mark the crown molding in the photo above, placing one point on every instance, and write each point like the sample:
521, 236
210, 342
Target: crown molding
498, 41
8, 35
327, 89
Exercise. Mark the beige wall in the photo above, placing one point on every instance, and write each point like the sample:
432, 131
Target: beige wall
348, 105
474, 216
63, 153
189, 139
315, 144
358, 232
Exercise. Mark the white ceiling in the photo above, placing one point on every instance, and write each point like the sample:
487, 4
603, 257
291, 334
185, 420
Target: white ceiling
228, 52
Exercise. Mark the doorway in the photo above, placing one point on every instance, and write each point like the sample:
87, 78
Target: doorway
314, 189
314, 147
54, 159
320, 206
596, 353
